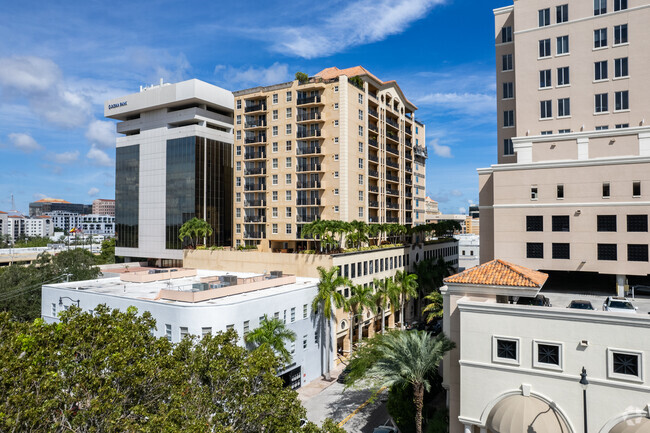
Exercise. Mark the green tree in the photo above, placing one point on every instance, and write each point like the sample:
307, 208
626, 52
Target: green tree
441, 270
383, 290
360, 299
406, 288
325, 303
272, 333
399, 359
433, 310
302, 77
107, 254
194, 230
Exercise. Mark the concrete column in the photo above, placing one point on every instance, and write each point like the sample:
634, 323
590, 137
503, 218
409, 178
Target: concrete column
346, 343
621, 280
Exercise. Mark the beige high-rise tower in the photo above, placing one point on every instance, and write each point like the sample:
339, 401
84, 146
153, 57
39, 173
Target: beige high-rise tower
341, 145
571, 188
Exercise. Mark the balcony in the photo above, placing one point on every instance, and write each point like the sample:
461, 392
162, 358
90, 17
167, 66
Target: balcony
307, 218
409, 168
392, 137
256, 107
392, 149
392, 219
373, 158
373, 173
373, 142
255, 187
254, 171
420, 151
312, 184
254, 155
373, 128
308, 167
392, 205
256, 139
308, 150
408, 181
392, 123
308, 100
252, 125
255, 235
257, 219
408, 130
409, 207
373, 203
373, 219
392, 164
372, 95
307, 117
373, 188
392, 191
409, 220
308, 133
392, 178
373, 113
408, 194
308, 202
254, 203
408, 155
408, 142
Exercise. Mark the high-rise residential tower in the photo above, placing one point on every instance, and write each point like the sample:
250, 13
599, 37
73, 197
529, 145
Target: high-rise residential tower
173, 163
341, 145
571, 188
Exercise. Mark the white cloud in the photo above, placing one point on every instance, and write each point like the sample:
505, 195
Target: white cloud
64, 157
101, 133
39, 196
456, 192
24, 142
99, 157
29, 74
359, 22
93, 191
441, 150
462, 210
469, 103
276, 73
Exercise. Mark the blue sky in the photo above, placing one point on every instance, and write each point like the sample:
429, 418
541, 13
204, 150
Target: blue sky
59, 61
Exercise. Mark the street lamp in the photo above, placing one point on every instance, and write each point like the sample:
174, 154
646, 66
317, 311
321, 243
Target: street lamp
584, 383
61, 298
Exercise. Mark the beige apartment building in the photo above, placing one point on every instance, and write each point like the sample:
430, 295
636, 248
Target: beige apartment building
342, 145
103, 206
571, 188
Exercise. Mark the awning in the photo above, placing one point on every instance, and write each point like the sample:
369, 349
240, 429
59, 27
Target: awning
632, 425
525, 414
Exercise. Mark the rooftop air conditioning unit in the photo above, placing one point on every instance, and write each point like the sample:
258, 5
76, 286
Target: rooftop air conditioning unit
229, 280
276, 274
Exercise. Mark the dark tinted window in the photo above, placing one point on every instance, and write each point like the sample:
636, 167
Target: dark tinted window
560, 223
548, 354
606, 223
626, 363
127, 190
507, 349
534, 223
607, 252
637, 252
535, 250
637, 223
561, 251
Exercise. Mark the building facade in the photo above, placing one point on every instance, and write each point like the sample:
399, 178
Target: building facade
173, 163
47, 205
342, 145
571, 188
103, 206
431, 208
97, 225
469, 248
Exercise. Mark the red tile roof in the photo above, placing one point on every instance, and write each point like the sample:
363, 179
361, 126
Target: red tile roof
51, 200
499, 273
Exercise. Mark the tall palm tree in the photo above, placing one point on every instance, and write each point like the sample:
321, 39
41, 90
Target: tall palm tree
383, 290
273, 334
374, 231
433, 310
360, 298
326, 301
407, 287
409, 358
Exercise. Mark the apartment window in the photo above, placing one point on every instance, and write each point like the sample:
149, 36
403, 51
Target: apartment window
506, 349
360, 114
336, 174
562, 45
563, 76
506, 62
239, 104
274, 146
360, 98
238, 151
562, 13
559, 191
287, 195
637, 223
336, 139
288, 129
336, 89
288, 113
547, 355
607, 252
274, 212
534, 223
636, 189
600, 70
508, 118
316, 338
287, 146
545, 79
275, 131
508, 90
624, 364
360, 195
275, 229
168, 331
336, 191
275, 98
274, 196
289, 96
547, 133
600, 7
606, 223
620, 67
561, 251
287, 162
238, 135
563, 107
506, 34
336, 105
544, 17
275, 114
620, 34
287, 179
622, 100
620, 5
287, 212
274, 179
360, 212
336, 209
600, 38
622, 125
602, 128
606, 190
293, 314
53, 310
238, 229
637, 252
560, 223
206, 331
304, 311
601, 103
360, 179
533, 193
545, 48
238, 166
508, 148
361, 131
361, 146
360, 162
239, 119
546, 109
238, 181
184, 332
336, 123
535, 250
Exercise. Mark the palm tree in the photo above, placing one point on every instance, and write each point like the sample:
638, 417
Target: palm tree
326, 301
272, 334
374, 231
433, 310
383, 290
361, 298
194, 229
407, 287
409, 358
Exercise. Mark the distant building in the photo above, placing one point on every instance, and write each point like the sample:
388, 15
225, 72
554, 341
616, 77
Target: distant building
47, 205
40, 226
4, 224
103, 206
97, 225
65, 221
16, 225
472, 225
468, 251
473, 211
431, 208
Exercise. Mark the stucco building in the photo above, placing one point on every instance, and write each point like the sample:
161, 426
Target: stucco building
104, 206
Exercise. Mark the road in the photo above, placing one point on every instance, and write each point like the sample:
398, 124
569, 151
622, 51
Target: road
338, 403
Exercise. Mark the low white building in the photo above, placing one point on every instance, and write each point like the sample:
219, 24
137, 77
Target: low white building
199, 302
468, 251
518, 368
97, 225
39, 226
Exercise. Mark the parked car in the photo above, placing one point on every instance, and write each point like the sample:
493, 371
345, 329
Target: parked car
539, 301
618, 304
435, 328
578, 304
385, 429
343, 375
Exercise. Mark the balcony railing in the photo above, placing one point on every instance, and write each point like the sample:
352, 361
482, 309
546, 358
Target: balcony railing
373, 158
391, 177
307, 116
309, 150
254, 155
373, 128
392, 205
308, 133
373, 112
256, 139
392, 219
409, 168
308, 202
408, 181
408, 154
373, 188
392, 136
312, 184
408, 142
255, 235
392, 149
372, 95
373, 203
392, 191
373, 142
409, 207
408, 194
420, 151
392, 164
392, 122
308, 100
308, 167
255, 124
255, 219
408, 130
256, 107
373, 173
254, 203
255, 187
409, 220
307, 218
255, 170
373, 219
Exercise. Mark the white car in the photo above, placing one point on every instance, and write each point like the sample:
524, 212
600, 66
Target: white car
618, 304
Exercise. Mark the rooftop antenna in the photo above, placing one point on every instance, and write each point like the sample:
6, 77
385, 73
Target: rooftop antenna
13, 203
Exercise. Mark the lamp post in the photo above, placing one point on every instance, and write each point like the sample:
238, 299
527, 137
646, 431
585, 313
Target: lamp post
584, 383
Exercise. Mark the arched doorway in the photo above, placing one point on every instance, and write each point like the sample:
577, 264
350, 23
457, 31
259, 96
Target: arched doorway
525, 414
639, 424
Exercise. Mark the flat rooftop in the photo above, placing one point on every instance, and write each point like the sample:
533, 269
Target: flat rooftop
151, 291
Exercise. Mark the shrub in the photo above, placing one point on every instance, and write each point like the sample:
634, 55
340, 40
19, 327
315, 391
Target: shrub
302, 77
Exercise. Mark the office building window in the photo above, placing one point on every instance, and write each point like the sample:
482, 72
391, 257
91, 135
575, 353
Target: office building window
606, 190
546, 109
622, 100
600, 38
607, 252
508, 148
561, 251
563, 76
562, 45
534, 223
508, 118
535, 250
563, 107
508, 90
620, 67
545, 48
601, 103
562, 13
560, 191
636, 189
506, 34
506, 62
545, 79
606, 223
620, 34
620, 5
637, 252
560, 223
600, 7
637, 223
544, 16
600, 70
533, 193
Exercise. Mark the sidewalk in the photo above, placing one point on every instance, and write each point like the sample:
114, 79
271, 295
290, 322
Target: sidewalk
316, 386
